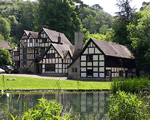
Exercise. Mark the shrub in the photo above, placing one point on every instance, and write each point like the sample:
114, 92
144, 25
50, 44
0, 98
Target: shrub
134, 85
46, 110
126, 107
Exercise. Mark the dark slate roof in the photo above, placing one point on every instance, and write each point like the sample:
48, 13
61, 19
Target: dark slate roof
27, 32
34, 34
6, 45
113, 49
53, 35
62, 49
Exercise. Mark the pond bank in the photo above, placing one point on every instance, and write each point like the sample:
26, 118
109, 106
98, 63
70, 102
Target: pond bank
53, 91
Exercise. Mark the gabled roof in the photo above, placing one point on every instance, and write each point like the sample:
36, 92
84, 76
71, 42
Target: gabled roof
61, 49
27, 32
53, 35
34, 34
109, 49
6, 45
113, 49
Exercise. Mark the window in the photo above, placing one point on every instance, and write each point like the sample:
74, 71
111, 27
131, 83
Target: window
50, 67
42, 50
89, 57
25, 51
108, 72
89, 73
36, 41
44, 40
51, 55
120, 73
74, 69
31, 40
16, 53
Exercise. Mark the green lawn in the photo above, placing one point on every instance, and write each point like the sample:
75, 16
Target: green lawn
28, 83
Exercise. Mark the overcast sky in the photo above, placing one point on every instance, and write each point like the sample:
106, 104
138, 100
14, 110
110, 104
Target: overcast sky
110, 5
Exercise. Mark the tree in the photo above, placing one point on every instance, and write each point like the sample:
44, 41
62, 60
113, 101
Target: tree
5, 57
124, 17
59, 15
140, 37
5, 28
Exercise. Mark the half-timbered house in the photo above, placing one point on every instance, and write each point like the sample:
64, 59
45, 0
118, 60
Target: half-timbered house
102, 60
47, 52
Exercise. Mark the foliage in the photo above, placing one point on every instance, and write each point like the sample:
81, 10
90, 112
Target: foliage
96, 36
5, 57
134, 85
140, 37
124, 17
58, 15
46, 110
126, 106
5, 27
93, 18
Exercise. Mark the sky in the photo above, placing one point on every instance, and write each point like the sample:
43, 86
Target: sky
110, 5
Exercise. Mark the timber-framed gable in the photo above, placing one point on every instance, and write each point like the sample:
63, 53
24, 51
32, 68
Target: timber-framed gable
102, 61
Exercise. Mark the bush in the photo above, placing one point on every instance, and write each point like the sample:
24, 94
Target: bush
46, 110
126, 107
134, 85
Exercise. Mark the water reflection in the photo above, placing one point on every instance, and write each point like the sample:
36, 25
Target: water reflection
87, 104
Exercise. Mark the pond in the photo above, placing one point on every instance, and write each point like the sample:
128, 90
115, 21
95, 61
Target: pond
88, 105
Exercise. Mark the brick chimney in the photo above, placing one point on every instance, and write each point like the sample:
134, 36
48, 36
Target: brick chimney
78, 37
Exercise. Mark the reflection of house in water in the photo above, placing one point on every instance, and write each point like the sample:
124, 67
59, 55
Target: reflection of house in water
87, 104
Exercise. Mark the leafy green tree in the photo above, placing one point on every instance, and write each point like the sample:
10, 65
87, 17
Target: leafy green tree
5, 28
104, 29
140, 37
93, 18
124, 17
96, 36
5, 57
59, 15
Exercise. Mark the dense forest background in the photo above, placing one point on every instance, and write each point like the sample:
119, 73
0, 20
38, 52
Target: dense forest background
128, 27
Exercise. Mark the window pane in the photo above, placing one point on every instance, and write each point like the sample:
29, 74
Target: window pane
101, 57
101, 69
83, 57
91, 50
95, 68
101, 63
95, 74
83, 74
95, 63
83, 69
95, 57
83, 63
101, 74
89, 64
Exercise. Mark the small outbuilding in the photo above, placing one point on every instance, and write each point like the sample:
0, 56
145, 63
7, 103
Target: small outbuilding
101, 61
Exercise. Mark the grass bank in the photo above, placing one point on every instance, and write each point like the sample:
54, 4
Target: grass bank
30, 83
